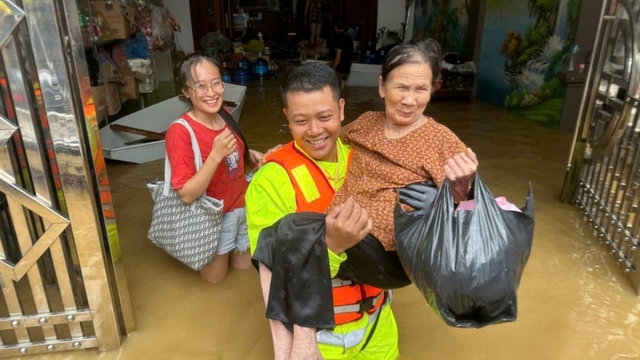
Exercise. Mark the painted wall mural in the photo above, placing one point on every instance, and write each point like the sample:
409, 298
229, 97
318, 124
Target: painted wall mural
524, 46
444, 20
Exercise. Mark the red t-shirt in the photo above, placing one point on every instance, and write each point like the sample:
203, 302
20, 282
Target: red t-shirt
228, 182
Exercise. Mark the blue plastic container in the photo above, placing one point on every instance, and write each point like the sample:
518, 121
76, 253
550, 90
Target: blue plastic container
244, 63
226, 74
261, 67
241, 76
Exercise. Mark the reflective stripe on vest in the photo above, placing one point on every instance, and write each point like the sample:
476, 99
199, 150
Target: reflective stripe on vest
314, 193
356, 307
352, 300
312, 188
349, 339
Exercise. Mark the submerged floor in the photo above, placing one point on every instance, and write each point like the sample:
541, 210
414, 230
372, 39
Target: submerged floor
574, 302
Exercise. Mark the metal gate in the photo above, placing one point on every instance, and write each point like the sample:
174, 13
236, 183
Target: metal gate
63, 286
604, 171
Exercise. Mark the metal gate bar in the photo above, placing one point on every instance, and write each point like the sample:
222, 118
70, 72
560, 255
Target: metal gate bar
63, 286
610, 207
609, 134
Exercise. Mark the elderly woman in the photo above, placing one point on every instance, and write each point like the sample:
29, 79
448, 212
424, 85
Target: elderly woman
401, 145
390, 150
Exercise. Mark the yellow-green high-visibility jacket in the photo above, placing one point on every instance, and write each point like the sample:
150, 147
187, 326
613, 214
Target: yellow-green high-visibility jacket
270, 197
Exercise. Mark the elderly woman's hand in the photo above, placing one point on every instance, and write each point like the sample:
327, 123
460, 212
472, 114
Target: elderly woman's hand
263, 159
419, 196
256, 157
460, 170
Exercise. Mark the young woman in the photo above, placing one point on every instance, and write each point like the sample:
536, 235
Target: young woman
225, 155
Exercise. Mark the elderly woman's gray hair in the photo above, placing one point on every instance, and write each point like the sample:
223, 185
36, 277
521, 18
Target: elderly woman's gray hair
422, 52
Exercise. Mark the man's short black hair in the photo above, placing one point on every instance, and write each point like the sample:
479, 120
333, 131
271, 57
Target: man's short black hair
309, 77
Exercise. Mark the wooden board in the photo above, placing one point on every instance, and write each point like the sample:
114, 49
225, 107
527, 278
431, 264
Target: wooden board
132, 130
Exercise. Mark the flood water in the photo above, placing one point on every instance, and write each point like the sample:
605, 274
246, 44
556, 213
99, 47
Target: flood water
574, 302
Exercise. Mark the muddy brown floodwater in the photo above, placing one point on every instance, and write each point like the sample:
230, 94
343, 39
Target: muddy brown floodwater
574, 302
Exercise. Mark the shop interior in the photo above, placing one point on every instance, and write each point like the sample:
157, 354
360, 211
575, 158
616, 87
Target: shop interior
133, 56
134, 48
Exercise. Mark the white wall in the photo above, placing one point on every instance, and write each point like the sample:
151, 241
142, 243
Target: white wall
391, 15
179, 9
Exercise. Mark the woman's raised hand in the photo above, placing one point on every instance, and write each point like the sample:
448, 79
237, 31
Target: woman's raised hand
224, 144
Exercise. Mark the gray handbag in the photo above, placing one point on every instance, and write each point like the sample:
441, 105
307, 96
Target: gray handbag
188, 232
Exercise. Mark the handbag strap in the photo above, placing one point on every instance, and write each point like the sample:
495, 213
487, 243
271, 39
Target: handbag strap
196, 154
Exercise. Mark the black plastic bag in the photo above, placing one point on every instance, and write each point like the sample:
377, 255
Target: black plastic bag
467, 264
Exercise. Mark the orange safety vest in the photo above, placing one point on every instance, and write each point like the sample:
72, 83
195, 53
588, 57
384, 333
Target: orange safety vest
350, 300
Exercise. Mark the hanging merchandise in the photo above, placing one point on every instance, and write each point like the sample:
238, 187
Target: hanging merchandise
147, 68
145, 25
119, 54
114, 19
467, 264
138, 47
162, 28
174, 24
156, 23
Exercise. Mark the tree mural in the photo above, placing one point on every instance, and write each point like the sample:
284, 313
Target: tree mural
532, 60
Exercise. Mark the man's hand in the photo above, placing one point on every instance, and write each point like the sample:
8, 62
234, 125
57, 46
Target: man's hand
347, 224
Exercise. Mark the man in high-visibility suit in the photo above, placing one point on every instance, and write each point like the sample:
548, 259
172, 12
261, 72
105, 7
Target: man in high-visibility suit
303, 176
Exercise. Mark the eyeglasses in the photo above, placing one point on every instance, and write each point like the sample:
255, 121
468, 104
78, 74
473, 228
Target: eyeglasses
216, 86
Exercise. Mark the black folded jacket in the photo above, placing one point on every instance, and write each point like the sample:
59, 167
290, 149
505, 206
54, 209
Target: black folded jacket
295, 251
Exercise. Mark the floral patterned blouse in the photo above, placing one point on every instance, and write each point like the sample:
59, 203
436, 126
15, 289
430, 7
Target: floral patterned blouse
381, 165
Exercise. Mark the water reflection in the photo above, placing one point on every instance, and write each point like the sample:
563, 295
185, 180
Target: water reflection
574, 302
